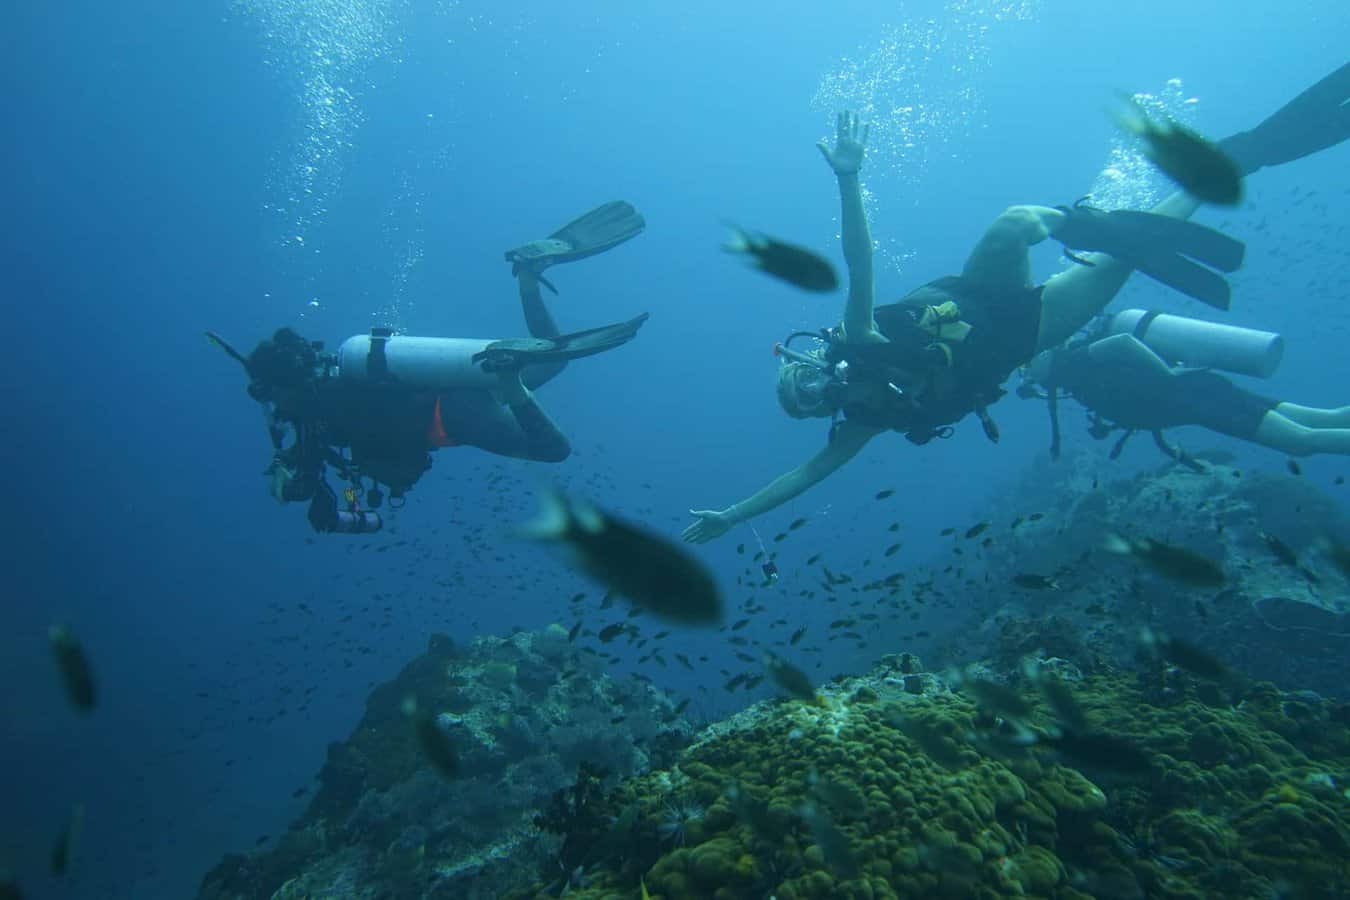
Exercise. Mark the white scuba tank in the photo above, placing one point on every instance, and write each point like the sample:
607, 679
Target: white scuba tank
422, 363
1199, 344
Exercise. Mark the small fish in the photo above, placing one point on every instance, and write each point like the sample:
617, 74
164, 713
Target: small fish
1294, 467
432, 739
681, 706
1034, 582
1339, 553
610, 632
1035, 517
76, 675
796, 265
615, 720
573, 632
1176, 563
790, 680
1015, 522
739, 624
843, 798
1058, 697
796, 523
1338, 480
1200, 167
947, 532
882, 495
1102, 750
1282, 551
891, 550
993, 697
797, 636
1185, 655
740, 549
812, 560
894, 526
63, 850
651, 571
976, 530
780, 537
833, 843
735, 682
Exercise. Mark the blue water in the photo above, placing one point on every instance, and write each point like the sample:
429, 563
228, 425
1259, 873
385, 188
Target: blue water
334, 164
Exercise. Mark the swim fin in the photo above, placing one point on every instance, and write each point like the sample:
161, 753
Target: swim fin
1314, 120
600, 229
515, 353
1158, 246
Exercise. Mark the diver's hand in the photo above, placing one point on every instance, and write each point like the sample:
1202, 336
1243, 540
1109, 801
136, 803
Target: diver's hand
712, 523
849, 145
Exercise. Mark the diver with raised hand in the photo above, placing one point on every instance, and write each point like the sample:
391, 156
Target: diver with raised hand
375, 409
922, 364
1148, 371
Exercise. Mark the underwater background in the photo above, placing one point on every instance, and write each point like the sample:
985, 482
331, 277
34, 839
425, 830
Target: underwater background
333, 165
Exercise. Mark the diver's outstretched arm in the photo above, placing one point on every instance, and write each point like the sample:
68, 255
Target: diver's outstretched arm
849, 438
540, 323
846, 159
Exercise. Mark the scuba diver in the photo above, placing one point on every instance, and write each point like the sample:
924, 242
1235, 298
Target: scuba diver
388, 399
1147, 371
920, 365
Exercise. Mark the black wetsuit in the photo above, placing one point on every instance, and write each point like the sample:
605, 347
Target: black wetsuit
940, 384
390, 431
1137, 399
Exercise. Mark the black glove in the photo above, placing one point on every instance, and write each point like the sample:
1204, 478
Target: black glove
323, 509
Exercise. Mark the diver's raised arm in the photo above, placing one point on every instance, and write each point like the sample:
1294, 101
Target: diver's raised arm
845, 160
849, 438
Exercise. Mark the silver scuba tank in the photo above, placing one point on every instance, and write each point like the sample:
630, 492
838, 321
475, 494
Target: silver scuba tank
1199, 344
422, 363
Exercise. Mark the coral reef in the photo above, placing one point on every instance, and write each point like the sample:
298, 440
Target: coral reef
521, 713
1231, 806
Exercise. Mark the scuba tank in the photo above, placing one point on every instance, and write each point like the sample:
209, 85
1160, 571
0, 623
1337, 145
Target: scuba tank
1199, 344
422, 363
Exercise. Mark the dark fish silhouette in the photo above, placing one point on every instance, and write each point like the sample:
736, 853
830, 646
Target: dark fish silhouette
76, 675
1198, 166
651, 571
787, 262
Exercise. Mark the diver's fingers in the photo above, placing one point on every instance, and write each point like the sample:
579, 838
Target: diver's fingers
841, 125
824, 149
867, 132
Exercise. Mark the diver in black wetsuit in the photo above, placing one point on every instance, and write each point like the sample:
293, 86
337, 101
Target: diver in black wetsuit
374, 410
944, 351
1126, 384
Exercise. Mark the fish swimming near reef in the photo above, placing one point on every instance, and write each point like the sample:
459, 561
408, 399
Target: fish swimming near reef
76, 675
787, 262
1197, 165
790, 679
651, 571
1176, 563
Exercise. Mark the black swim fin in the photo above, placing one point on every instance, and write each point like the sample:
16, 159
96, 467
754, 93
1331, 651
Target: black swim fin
600, 229
1158, 246
515, 353
1314, 120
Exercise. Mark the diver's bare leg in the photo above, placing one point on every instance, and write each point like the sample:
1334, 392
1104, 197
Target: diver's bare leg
1315, 417
1284, 434
1071, 298
540, 323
